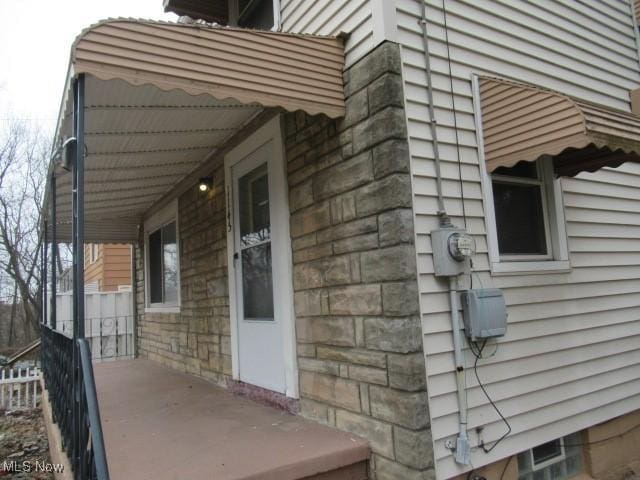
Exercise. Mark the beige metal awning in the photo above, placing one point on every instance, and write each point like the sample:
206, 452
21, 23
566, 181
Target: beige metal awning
523, 122
161, 98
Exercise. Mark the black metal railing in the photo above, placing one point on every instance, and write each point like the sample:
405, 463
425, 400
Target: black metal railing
74, 403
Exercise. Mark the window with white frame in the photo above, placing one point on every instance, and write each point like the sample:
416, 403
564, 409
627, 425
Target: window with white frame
555, 460
526, 218
162, 263
256, 14
522, 212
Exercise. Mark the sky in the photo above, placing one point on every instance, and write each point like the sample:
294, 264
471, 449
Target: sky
35, 40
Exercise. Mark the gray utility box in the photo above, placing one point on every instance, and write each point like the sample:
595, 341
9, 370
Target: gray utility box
484, 313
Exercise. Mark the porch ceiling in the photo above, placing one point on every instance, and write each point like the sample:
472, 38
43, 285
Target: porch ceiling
161, 98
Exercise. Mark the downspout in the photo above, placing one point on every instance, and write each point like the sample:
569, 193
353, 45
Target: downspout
462, 449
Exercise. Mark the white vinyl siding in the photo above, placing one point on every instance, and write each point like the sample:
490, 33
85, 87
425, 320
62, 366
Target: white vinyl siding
332, 17
571, 356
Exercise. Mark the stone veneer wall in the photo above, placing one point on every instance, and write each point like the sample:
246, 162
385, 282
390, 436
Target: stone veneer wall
197, 340
356, 299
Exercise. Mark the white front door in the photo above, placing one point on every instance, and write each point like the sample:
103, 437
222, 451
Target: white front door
256, 265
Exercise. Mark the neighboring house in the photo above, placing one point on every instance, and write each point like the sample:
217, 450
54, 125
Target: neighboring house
107, 269
107, 266
304, 269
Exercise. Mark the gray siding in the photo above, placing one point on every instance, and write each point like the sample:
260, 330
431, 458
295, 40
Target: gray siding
570, 357
332, 17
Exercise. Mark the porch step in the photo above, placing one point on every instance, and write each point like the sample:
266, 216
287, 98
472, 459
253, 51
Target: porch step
160, 424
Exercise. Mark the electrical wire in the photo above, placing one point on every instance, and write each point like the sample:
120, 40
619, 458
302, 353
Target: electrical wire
506, 466
486, 394
455, 116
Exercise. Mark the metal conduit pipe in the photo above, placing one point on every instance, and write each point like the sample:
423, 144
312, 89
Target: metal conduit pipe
442, 214
461, 447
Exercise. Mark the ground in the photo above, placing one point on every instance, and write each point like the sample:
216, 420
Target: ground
23, 440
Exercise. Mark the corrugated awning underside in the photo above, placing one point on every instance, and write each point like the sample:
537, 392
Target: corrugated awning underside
523, 123
160, 98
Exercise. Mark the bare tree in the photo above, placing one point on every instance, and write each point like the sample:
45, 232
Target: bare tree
23, 168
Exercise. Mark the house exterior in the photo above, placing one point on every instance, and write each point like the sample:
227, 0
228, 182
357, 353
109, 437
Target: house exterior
107, 266
282, 189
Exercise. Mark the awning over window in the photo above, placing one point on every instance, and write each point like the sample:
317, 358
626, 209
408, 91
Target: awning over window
523, 122
163, 98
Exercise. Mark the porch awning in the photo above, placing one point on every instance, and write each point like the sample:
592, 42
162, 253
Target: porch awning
523, 122
161, 98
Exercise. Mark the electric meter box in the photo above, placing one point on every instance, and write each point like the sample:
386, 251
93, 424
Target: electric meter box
448, 261
484, 313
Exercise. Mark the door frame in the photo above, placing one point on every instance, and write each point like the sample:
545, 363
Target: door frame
271, 131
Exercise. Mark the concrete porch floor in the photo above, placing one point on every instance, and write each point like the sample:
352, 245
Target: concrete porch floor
161, 424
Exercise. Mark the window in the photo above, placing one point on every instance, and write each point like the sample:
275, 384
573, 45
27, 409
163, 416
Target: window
555, 460
258, 14
522, 219
162, 262
525, 218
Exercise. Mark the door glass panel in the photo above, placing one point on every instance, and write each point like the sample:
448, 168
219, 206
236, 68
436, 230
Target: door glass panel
257, 283
255, 244
255, 224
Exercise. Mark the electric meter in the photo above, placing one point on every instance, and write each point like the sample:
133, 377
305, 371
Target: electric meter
461, 246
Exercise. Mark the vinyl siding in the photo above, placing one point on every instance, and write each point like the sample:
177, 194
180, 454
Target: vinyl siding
571, 356
332, 17
111, 269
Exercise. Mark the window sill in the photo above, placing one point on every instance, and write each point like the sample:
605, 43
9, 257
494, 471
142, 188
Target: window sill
530, 268
160, 309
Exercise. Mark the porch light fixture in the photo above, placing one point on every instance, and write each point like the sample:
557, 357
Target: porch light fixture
205, 184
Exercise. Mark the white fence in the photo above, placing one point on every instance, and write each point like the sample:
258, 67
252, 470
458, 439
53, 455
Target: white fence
19, 388
108, 322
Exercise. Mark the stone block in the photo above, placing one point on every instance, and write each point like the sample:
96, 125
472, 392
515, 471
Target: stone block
308, 303
343, 176
350, 229
334, 270
378, 434
326, 330
351, 355
391, 192
406, 409
368, 374
407, 371
310, 219
385, 91
319, 366
384, 125
301, 196
355, 300
307, 275
356, 244
399, 334
314, 410
313, 253
336, 391
386, 469
400, 299
413, 448
385, 58
392, 263
391, 156
395, 226
356, 109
